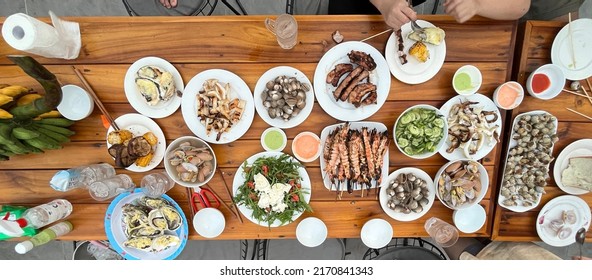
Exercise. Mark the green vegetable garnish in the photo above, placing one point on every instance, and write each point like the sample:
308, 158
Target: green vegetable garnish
419, 131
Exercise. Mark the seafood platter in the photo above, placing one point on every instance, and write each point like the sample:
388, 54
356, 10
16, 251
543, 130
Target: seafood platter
407, 194
190, 161
474, 127
529, 155
351, 81
140, 144
420, 131
573, 166
355, 156
152, 86
461, 184
218, 106
144, 228
415, 58
560, 219
284, 97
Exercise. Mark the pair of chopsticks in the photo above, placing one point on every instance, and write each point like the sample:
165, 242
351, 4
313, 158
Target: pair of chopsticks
233, 211
95, 98
586, 95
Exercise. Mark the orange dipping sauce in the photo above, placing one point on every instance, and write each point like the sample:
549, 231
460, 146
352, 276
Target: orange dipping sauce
306, 147
540, 83
508, 94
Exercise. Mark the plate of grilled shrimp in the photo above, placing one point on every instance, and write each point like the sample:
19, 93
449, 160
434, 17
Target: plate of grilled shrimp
355, 156
352, 81
218, 106
414, 58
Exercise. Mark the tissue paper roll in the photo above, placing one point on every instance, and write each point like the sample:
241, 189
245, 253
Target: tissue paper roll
26, 33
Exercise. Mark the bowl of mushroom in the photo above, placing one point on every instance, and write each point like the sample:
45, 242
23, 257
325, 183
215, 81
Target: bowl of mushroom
190, 161
407, 194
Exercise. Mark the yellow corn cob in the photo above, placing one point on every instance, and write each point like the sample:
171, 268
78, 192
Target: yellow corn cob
5, 99
26, 99
13, 91
151, 138
5, 115
145, 160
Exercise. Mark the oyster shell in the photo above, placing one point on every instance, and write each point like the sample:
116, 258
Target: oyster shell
157, 220
153, 203
142, 230
172, 216
149, 90
433, 35
143, 243
155, 84
163, 242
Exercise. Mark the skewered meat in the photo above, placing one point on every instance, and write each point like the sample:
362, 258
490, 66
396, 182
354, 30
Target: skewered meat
339, 70
352, 75
363, 59
400, 48
354, 83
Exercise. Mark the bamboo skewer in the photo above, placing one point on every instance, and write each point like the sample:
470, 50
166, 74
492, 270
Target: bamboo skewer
587, 95
576, 112
376, 35
221, 201
578, 94
237, 213
95, 98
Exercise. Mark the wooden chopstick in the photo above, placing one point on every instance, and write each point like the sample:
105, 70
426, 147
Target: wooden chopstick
577, 93
576, 112
220, 199
95, 98
573, 53
587, 95
375, 35
237, 213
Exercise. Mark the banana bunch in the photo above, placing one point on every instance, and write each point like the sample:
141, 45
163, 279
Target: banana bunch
33, 137
8, 95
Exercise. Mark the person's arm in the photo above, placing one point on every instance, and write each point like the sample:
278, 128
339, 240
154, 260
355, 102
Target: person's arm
463, 10
395, 12
169, 3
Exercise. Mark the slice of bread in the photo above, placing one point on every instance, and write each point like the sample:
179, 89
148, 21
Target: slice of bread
578, 173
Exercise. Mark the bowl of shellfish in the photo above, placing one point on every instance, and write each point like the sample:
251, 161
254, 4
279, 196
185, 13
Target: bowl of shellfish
190, 161
407, 194
461, 184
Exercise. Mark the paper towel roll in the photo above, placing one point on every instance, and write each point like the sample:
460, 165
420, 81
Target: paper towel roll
28, 34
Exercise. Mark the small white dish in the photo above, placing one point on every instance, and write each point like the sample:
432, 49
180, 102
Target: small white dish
311, 232
376, 233
271, 134
470, 219
76, 103
315, 144
556, 79
503, 90
579, 148
209, 222
475, 78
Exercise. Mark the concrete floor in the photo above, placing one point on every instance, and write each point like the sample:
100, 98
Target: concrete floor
63, 250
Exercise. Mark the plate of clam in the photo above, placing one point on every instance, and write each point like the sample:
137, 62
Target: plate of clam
561, 218
144, 228
407, 194
152, 86
283, 97
461, 184
218, 106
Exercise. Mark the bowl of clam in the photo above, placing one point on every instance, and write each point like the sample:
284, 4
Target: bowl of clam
190, 161
461, 184
407, 194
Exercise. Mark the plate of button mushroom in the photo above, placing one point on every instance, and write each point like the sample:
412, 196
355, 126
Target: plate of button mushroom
408, 194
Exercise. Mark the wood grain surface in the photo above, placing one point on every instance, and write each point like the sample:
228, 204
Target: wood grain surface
243, 45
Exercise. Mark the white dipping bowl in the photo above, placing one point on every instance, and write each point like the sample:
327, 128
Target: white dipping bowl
209, 222
311, 232
76, 103
512, 85
470, 219
376, 233
556, 78
284, 139
476, 79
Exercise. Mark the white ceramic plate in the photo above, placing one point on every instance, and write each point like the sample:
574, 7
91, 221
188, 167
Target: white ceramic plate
238, 88
383, 197
414, 71
553, 210
270, 75
239, 179
138, 125
512, 143
487, 105
346, 111
561, 50
380, 127
578, 148
115, 230
162, 109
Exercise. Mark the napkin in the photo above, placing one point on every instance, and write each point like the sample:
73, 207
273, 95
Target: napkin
25, 33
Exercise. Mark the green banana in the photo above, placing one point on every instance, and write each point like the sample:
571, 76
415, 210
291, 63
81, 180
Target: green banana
56, 121
3, 158
58, 129
5, 152
42, 145
60, 138
33, 149
10, 142
23, 133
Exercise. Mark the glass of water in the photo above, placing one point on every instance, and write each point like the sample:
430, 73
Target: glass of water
111, 187
156, 184
442, 232
285, 29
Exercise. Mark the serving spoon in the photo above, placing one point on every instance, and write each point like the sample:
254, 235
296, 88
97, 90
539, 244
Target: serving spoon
581, 238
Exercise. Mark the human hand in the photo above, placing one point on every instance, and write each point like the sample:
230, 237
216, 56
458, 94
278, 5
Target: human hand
462, 10
169, 3
395, 12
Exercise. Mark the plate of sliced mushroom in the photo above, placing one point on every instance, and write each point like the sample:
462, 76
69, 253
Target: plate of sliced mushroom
352, 81
407, 194
284, 97
218, 106
474, 127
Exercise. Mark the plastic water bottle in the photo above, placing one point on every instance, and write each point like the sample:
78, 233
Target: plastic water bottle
81, 177
45, 214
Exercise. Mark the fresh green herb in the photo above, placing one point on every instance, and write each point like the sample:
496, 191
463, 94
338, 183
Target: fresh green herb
419, 131
276, 170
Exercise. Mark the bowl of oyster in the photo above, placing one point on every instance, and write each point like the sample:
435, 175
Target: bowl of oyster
461, 184
190, 161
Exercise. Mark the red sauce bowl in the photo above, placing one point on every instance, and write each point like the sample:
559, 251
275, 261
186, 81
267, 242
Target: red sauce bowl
546, 82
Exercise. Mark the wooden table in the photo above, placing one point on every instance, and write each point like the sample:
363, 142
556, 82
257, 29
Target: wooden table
533, 50
243, 46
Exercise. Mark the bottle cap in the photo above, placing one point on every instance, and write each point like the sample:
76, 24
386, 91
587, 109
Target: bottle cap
59, 181
24, 247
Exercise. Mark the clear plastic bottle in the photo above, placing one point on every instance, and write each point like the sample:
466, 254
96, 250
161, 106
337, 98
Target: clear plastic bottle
43, 237
45, 214
81, 177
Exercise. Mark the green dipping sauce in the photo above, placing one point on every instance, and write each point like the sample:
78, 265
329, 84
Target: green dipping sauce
462, 82
273, 139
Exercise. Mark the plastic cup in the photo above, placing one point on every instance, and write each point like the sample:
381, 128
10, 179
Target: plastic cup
156, 184
285, 29
111, 187
442, 232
